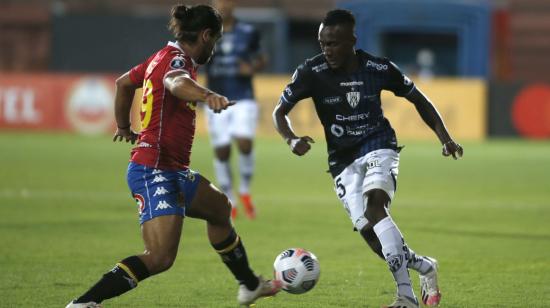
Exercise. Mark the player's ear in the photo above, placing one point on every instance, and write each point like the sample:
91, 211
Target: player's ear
206, 35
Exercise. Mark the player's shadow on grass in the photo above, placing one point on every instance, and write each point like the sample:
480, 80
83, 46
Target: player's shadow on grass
487, 234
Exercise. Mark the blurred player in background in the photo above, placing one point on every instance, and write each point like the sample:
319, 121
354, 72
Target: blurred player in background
363, 154
236, 59
160, 180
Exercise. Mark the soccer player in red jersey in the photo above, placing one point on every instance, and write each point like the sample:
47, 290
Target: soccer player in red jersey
160, 180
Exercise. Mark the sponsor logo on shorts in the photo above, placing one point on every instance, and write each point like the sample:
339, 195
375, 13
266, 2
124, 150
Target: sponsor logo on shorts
140, 202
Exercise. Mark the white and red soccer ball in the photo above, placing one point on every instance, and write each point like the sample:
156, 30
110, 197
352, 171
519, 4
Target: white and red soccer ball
298, 269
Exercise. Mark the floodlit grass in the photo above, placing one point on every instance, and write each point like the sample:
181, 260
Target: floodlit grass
66, 217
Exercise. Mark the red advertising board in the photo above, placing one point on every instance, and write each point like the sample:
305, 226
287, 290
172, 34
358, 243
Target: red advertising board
78, 103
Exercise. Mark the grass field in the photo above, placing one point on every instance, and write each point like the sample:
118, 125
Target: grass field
66, 217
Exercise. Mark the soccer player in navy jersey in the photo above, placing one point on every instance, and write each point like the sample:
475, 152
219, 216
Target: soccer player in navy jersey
159, 178
236, 59
363, 154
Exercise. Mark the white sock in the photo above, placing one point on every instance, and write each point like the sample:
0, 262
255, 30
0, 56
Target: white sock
246, 170
393, 249
224, 177
418, 263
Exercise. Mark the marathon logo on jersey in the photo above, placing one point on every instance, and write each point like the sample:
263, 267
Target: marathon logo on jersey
351, 83
319, 68
333, 100
377, 66
177, 63
353, 98
140, 203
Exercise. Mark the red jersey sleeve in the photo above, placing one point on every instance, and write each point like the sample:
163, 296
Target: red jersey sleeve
137, 73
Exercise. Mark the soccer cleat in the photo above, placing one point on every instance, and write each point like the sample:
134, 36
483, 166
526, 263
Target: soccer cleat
403, 302
83, 305
428, 286
249, 209
233, 212
265, 288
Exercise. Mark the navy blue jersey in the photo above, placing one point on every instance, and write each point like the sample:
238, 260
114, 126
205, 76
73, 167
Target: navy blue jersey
241, 44
348, 104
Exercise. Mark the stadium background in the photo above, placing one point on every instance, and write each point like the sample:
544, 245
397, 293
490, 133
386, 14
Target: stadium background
484, 64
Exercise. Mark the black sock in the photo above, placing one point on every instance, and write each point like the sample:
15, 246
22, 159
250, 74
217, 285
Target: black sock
233, 255
122, 278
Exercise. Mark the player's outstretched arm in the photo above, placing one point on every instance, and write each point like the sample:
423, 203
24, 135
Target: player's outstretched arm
183, 87
124, 95
298, 145
431, 117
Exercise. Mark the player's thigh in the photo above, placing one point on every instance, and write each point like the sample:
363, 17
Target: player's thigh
245, 119
219, 127
161, 235
382, 167
209, 203
348, 189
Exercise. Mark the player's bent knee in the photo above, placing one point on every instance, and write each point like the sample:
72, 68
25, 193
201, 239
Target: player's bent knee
160, 262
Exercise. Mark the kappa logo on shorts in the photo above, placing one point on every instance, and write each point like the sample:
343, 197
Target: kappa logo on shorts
160, 191
163, 205
140, 202
159, 178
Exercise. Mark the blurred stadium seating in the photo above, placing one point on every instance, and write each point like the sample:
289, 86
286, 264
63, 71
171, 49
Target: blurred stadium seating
59, 37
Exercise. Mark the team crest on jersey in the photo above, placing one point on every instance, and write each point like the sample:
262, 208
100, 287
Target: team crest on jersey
353, 98
177, 62
140, 202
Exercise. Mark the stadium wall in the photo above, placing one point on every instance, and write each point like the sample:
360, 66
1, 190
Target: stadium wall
83, 104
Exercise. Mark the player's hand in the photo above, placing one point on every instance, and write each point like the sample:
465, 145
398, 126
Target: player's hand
452, 148
300, 145
125, 134
218, 102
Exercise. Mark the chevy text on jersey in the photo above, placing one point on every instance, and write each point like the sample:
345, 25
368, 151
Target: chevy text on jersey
348, 104
240, 44
167, 123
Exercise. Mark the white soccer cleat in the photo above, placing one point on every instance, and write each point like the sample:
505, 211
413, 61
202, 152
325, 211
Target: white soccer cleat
265, 288
428, 286
403, 302
83, 305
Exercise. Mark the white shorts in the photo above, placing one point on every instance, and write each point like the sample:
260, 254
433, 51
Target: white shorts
376, 170
237, 121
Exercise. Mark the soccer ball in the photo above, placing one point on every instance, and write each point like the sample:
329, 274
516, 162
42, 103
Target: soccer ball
298, 269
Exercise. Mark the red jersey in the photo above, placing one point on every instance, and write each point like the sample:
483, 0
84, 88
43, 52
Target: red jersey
167, 122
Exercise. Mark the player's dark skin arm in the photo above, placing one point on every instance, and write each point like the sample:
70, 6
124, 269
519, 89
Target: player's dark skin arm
298, 145
124, 95
431, 117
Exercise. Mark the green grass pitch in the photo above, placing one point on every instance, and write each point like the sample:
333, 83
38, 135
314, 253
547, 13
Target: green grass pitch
66, 217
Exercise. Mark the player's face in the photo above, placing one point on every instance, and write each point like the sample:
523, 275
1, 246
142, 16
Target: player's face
209, 45
337, 44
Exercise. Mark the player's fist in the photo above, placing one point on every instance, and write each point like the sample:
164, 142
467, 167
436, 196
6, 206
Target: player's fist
300, 145
218, 102
452, 148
